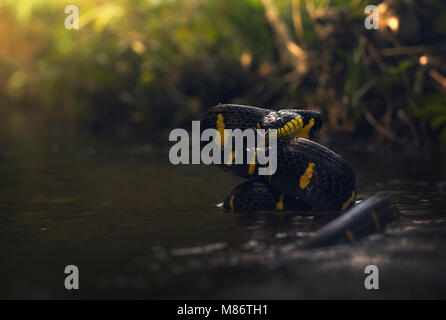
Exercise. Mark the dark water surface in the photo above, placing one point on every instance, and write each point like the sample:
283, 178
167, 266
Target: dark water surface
139, 227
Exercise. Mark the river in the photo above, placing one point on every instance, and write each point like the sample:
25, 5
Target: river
138, 227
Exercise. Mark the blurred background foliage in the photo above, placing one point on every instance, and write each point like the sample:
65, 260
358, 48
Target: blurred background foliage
141, 67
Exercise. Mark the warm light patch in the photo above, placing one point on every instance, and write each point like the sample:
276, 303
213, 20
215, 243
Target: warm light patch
393, 23
423, 60
138, 47
382, 8
294, 49
246, 59
265, 69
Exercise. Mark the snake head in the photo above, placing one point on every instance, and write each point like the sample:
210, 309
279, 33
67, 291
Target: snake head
287, 122
312, 123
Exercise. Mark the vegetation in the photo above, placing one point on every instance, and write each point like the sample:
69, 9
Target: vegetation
144, 66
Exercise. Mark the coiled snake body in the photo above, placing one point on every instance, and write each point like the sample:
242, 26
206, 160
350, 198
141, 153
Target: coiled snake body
309, 176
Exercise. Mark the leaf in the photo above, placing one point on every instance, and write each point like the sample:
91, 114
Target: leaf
401, 67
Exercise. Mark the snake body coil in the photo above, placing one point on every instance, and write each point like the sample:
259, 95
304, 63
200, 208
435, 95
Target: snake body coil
309, 176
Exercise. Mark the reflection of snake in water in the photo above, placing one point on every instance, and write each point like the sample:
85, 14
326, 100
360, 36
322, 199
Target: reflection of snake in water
309, 176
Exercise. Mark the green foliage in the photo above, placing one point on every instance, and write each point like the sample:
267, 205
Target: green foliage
157, 64
432, 109
402, 66
123, 50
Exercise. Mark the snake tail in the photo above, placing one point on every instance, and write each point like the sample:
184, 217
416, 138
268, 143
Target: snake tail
367, 217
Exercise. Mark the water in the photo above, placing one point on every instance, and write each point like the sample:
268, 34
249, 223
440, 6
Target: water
138, 227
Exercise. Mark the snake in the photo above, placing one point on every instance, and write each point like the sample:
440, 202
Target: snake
309, 177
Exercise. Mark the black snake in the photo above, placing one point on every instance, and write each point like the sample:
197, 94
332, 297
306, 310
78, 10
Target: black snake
309, 176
